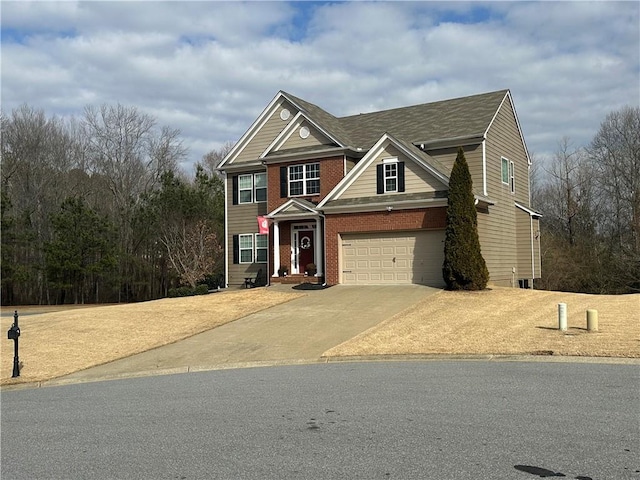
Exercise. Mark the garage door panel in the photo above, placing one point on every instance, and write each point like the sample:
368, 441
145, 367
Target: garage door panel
393, 258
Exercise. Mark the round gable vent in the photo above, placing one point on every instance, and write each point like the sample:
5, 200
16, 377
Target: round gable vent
285, 114
304, 132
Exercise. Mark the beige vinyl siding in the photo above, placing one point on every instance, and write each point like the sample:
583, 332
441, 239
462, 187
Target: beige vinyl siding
293, 210
497, 230
473, 155
350, 163
523, 242
267, 134
315, 138
416, 178
241, 219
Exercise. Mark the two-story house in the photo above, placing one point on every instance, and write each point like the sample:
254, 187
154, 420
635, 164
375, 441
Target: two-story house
364, 197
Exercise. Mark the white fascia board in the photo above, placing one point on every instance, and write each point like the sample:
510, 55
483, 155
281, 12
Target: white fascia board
515, 115
253, 130
528, 210
283, 136
379, 207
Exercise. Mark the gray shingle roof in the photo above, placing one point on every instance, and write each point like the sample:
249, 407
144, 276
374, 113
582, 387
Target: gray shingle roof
458, 117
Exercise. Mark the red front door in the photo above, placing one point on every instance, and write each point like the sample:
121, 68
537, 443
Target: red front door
305, 249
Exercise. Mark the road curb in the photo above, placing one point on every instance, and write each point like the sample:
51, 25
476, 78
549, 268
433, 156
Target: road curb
329, 360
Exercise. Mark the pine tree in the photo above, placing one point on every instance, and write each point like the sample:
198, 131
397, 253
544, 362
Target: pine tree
464, 267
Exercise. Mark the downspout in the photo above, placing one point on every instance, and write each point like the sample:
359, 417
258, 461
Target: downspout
324, 246
533, 257
226, 229
484, 167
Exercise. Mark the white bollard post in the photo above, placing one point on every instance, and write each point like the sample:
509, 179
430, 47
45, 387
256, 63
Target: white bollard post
592, 320
562, 317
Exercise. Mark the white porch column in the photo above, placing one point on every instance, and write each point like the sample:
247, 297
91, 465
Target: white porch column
317, 251
276, 248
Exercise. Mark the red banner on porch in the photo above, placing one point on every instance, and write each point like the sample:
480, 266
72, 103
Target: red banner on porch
263, 225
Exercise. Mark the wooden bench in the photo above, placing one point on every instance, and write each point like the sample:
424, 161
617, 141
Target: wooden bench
250, 282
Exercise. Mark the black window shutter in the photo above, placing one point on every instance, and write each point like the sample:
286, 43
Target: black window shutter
235, 189
236, 249
283, 182
400, 176
380, 177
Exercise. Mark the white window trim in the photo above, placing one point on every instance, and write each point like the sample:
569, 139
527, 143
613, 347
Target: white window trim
250, 189
255, 243
240, 248
253, 188
304, 179
385, 162
512, 177
255, 197
502, 171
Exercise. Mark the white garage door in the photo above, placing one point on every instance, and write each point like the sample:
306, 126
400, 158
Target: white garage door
393, 258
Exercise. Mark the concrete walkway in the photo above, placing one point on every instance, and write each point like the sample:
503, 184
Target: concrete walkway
297, 331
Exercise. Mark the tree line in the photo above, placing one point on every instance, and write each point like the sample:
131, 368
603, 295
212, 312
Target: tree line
97, 209
589, 196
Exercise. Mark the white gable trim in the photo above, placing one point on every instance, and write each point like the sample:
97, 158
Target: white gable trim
255, 127
292, 203
515, 115
283, 135
292, 127
366, 161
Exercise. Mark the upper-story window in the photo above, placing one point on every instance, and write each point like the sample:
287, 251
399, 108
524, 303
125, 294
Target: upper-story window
508, 174
304, 179
250, 188
390, 176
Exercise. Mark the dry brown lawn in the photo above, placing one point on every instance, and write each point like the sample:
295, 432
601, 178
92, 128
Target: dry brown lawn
504, 321
69, 339
498, 321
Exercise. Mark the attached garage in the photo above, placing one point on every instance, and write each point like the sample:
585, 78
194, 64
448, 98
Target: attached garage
393, 258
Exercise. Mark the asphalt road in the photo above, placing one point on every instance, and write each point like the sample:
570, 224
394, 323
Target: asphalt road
403, 420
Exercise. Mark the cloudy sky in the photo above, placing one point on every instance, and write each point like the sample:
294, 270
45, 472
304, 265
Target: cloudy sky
209, 68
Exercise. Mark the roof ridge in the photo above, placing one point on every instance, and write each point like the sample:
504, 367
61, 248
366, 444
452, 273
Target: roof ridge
503, 91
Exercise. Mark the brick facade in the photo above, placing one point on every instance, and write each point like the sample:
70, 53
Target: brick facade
331, 172
397, 220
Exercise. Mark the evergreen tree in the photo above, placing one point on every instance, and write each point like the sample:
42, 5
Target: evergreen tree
463, 268
81, 253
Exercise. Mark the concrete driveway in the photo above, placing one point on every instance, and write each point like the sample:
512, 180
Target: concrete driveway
298, 331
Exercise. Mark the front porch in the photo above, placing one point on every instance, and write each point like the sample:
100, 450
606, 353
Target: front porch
297, 279
297, 243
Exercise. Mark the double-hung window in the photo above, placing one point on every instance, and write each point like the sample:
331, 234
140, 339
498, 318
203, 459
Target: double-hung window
246, 248
260, 187
508, 174
251, 248
390, 175
304, 179
251, 187
261, 248
245, 188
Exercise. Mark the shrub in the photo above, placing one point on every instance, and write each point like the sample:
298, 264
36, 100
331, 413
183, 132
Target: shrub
202, 289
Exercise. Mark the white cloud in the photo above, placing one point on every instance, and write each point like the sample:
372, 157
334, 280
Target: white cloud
209, 68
